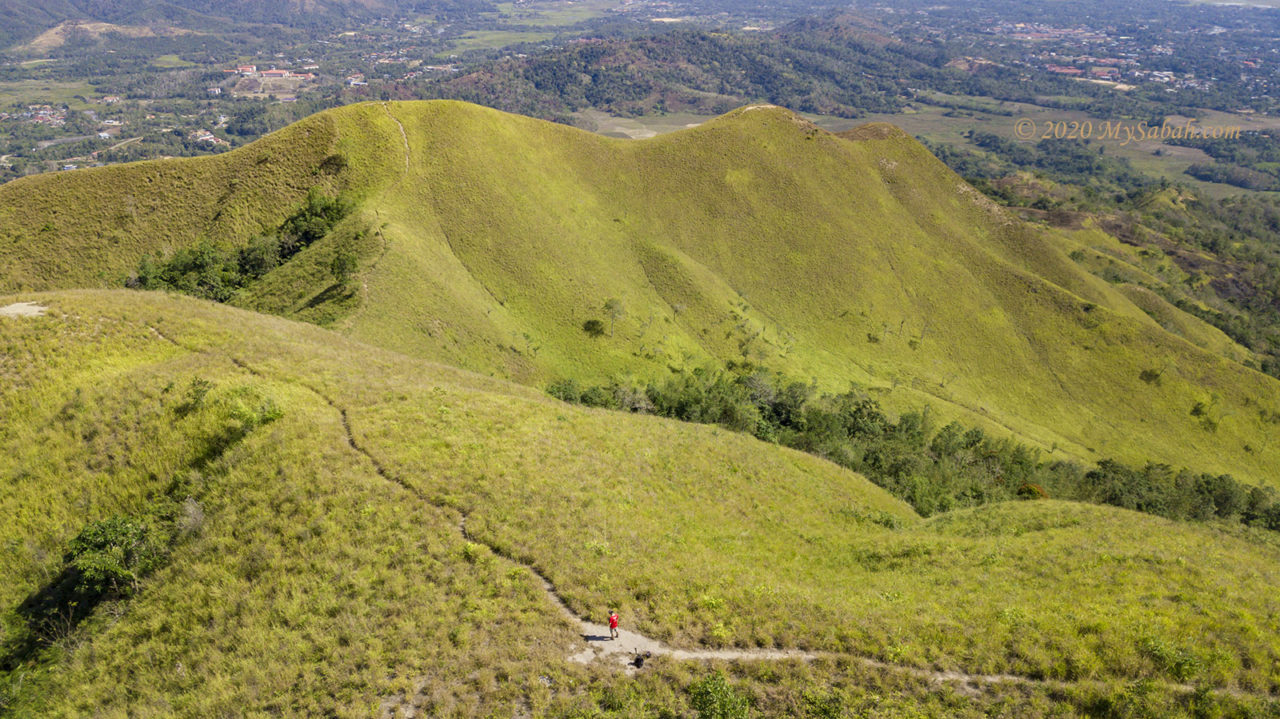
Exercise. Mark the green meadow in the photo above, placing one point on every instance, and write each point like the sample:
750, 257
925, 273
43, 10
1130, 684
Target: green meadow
45, 92
494, 40
554, 13
170, 62
311, 487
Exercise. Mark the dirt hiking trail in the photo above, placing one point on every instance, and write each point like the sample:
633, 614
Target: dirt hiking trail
403, 135
628, 644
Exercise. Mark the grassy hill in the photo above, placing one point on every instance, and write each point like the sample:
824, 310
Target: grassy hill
486, 241
306, 491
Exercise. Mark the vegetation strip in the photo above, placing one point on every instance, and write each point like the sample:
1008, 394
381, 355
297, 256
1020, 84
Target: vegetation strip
216, 273
934, 470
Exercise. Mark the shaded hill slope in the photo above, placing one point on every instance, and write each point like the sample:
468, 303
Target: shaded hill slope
309, 491
491, 239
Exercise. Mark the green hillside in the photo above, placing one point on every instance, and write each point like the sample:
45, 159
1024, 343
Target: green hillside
300, 497
486, 241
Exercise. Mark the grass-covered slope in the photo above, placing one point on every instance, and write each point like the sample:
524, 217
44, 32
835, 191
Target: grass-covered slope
491, 239
310, 490
91, 227
856, 258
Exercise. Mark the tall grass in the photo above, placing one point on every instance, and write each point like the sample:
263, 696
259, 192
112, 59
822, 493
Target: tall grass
312, 584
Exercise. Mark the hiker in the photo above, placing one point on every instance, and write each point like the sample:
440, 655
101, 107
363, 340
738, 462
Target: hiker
613, 624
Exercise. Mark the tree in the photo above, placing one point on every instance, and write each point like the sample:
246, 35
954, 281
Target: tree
593, 327
614, 309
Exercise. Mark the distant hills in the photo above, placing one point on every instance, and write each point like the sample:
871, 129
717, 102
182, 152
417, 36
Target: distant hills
835, 66
21, 20
488, 241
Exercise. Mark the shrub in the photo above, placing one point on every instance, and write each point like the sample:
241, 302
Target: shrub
713, 698
343, 264
1032, 491
249, 418
112, 555
1223, 494
565, 390
196, 394
261, 256
598, 397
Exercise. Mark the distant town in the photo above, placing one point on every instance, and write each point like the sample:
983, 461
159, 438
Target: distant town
202, 99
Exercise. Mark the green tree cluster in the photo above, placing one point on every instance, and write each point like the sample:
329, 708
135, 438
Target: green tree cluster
935, 469
212, 272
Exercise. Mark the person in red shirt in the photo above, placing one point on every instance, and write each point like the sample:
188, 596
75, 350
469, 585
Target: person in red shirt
613, 624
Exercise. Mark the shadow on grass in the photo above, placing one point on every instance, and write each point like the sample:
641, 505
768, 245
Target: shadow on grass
56, 609
49, 613
336, 292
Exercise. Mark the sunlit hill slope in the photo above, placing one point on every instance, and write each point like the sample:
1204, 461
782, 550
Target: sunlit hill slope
308, 493
487, 240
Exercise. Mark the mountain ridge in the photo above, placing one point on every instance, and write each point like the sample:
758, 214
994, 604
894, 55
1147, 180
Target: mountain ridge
487, 240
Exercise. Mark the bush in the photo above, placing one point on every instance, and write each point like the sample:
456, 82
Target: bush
565, 390
1222, 494
598, 397
196, 394
111, 556
713, 698
343, 265
1032, 491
